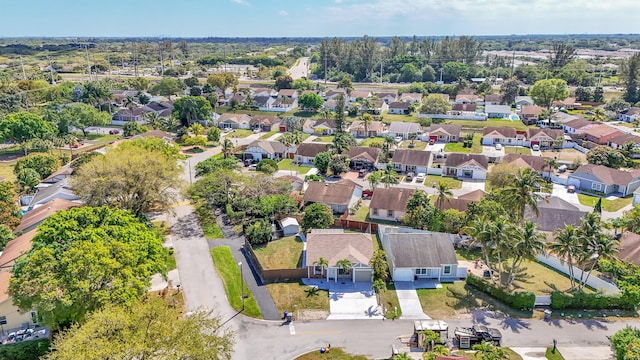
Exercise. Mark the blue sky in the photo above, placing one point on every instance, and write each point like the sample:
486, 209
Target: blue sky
294, 18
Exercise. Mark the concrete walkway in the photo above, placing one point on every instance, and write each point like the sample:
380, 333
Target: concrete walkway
531, 353
409, 301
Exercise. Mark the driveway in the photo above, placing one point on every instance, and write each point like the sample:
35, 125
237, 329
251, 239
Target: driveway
409, 301
353, 301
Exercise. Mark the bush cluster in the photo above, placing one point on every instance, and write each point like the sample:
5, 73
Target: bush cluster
517, 300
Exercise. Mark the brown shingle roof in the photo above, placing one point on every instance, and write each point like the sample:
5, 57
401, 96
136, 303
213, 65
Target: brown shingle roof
39, 214
475, 195
601, 130
399, 105
5, 276
458, 159
533, 110
392, 198
630, 247
505, 131
355, 247
578, 123
492, 98
271, 147
338, 193
16, 247
311, 149
411, 157
449, 129
364, 152
625, 138
555, 213
263, 120
552, 133
535, 162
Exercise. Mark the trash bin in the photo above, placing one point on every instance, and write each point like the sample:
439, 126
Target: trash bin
289, 317
547, 315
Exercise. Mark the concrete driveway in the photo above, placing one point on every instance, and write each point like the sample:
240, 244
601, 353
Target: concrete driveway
409, 301
353, 301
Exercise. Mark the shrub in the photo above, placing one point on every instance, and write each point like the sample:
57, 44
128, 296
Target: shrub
28, 350
581, 300
517, 300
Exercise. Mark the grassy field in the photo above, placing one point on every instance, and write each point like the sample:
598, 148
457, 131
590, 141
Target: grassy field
458, 147
304, 137
453, 183
280, 254
287, 294
389, 118
361, 214
517, 150
265, 136
607, 205
372, 140
286, 164
417, 145
170, 260
333, 354
239, 134
230, 274
518, 125
6, 170
326, 139
568, 155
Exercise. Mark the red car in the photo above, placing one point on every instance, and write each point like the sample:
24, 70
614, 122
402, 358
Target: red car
432, 141
114, 132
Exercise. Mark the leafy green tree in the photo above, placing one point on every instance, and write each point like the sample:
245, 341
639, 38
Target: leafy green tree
131, 177
310, 101
139, 83
6, 235
626, 343
616, 105
346, 84
194, 140
604, 155
222, 81
379, 265
444, 193
339, 164
420, 213
213, 134
501, 175
545, 92
509, 90
188, 108
313, 177
453, 221
24, 126
632, 219
302, 84
435, 104
267, 166
83, 116
321, 162
152, 328
107, 257
9, 210
342, 142
132, 128
455, 71
258, 232
317, 216
284, 82
630, 72
166, 87
43, 164
214, 163
160, 146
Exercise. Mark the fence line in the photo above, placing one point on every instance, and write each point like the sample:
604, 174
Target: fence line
593, 281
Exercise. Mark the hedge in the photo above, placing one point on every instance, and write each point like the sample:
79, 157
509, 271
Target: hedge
27, 350
517, 300
581, 300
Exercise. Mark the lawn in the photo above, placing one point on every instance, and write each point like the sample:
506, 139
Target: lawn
518, 125
286, 164
280, 254
327, 139
517, 150
170, 260
458, 147
333, 354
473, 355
230, 274
100, 139
389, 301
269, 134
553, 355
207, 220
287, 294
371, 141
239, 134
303, 137
389, 118
417, 145
568, 155
607, 205
360, 215
6, 170
452, 183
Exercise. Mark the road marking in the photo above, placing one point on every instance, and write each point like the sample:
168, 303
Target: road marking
292, 329
320, 332
182, 203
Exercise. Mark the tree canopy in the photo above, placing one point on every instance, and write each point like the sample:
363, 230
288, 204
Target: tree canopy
604, 155
435, 104
310, 101
166, 87
25, 126
83, 116
83, 259
222, 81
189, 108
317, 216
545, 92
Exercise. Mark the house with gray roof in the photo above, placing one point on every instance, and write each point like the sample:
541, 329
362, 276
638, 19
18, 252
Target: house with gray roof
264, 149
555, 213
420, 255
405, 160
605, 180
470, 166
404, 129
498, 111
59, 190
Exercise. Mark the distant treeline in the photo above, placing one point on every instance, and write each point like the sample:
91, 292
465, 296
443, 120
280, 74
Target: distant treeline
255, 60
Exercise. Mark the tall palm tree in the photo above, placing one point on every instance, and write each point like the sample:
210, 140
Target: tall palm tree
525, 243
551, 164
344, 264
130, 103
374, 179
566, 246
413, 137
153, 120
523, 192
389, 176
500, 232
599, 114
386, 145
366, 121
444, 193
323, 263
605, 248
479, 230
227, 147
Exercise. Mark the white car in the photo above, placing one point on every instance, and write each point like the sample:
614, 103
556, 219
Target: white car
498, 146
420, 177
398, 139
535, 147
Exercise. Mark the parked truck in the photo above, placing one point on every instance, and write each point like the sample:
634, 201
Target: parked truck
468, 336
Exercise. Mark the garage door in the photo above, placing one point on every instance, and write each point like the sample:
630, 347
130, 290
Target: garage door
403, 275
363, 275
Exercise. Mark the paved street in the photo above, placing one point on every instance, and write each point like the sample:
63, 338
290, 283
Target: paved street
300, 69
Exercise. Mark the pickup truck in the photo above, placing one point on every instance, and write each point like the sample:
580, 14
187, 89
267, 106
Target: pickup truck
477, 334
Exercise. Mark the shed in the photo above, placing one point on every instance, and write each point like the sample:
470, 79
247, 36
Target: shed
289, 226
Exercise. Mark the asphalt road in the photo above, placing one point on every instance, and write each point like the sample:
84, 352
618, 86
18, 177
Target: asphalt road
300, 69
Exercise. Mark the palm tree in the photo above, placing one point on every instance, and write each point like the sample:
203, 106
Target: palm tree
526, 243
153, 120
444, 193
344, 265
499, 234
523, 192
551, 164
479, 230
323, 263
378, 284
130, 103
566, 247
605, 248
386, 145
227, 147
402, 356
389, 176
374, 179
413, 137
366, 121
599, 114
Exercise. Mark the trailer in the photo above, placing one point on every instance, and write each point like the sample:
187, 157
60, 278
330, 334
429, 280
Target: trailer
468, 336
438, 326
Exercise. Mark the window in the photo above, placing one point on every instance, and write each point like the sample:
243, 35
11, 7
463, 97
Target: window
317, 269
341, 271
34, 317
390, 213
596, 186
375, 211
447, 269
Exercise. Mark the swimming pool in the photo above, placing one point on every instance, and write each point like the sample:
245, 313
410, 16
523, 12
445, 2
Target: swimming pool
514, 117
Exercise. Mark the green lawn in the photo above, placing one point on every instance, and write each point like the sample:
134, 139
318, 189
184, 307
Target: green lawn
453, 183
6, 170
230, 274
269, 134
518, 125
207, 220
417, 145
372, 140
473, 355
389, 301
551, 355
333, 354
100, 139
327, 139
517, 150
361, 214
280, 254
304, 137
287, 294
607, 205
286, 164
239, 134
170, 260
389, 118
458, 147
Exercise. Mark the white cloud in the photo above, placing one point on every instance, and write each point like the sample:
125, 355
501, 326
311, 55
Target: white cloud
241, 2
283, 13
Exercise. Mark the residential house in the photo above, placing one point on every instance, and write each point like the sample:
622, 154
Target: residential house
283, 104
334, 245
529, 114
234, 121
492, 100
288, 93
601, 134
264, 103
578, 125
59, 190
389, 204
555, 213
404, 129
523, 100
505, 135
387, 97
377, 107
339, 196
631, 114
264, 92
466, 99
307, 126
444, 132
359, 94
297, 184
59, 175
545, 138
264, 122
363, 157
324, 127
461, 203
498, 111
35, 217
412, 98
464, 107
473, 166
162, 109
416, 161
374, 128
399, 108
330, 104
124, 116
536, 163
307, 152
568, 103
333, 94
629, 249
419, 255
618, 142
264, 149
605, 180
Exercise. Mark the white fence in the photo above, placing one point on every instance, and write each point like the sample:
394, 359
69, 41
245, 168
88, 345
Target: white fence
434, 171
573, 145
593, 281
454, 117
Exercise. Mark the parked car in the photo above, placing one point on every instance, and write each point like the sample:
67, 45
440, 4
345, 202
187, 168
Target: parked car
571, 188
420, 177
253, 167
535, 147
362, 173
399, 139
228, 130
498, 146
255, 131
432, 141
410, 177
114, 132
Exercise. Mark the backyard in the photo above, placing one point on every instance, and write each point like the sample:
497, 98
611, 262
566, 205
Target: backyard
229, 272
518, 125
283, 253
371, 141
607, 205
286, 164
360, 215
566, 155
458, 147
517, 150
452, 183
417, 145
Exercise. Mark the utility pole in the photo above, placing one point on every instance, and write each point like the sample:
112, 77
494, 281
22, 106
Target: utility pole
325, 65
135, 61
86, 51
381, 61
600, 76
53, 81
513, 63
161, 60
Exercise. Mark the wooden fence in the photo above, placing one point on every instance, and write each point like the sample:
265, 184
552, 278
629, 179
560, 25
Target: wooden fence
272, 275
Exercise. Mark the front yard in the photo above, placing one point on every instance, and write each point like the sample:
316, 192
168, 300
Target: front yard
266, 136
458, 147
607, 205
326, 139
371, 141
287, 294
452, 183
229, 272
417, 145
238, 134
287, 164
283, 253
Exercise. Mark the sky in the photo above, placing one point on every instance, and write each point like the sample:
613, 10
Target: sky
314, 18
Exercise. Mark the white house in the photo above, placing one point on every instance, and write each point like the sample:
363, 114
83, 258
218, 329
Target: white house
498, 111
334, 245
473, 166
264, 149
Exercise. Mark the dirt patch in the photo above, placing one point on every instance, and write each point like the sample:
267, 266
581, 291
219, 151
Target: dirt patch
312, 314
10, 157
